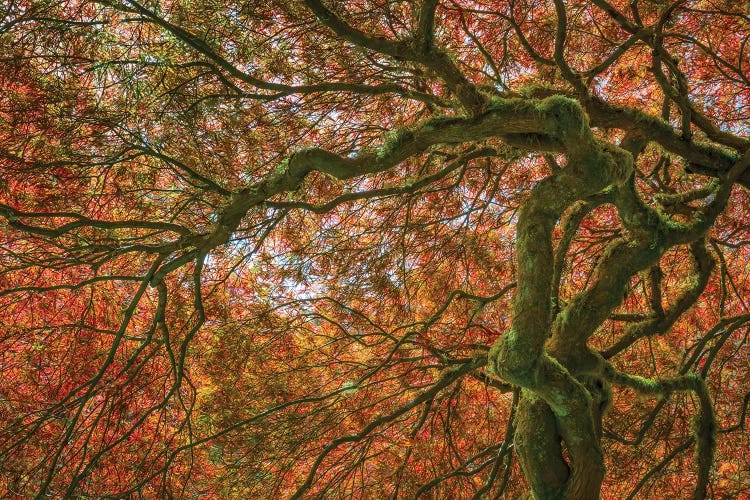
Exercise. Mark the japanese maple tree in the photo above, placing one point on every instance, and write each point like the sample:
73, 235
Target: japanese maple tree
374, 249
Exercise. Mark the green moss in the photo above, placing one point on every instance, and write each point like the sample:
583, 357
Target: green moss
669, 224
512, 362
503, 105
619, 161
644, 385
283, 166
394, 140
570, 122
563, 318
535, 89
438, 122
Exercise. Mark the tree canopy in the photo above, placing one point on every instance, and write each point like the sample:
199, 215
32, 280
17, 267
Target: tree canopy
374, 249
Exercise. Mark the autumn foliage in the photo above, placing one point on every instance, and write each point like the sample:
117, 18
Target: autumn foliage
374, 249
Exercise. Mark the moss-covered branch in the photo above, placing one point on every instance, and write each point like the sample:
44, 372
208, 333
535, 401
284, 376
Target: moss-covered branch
704, 423
553, 124
703, 267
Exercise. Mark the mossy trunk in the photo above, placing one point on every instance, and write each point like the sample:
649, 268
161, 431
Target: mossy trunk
565, 383
558, 426
541, 451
